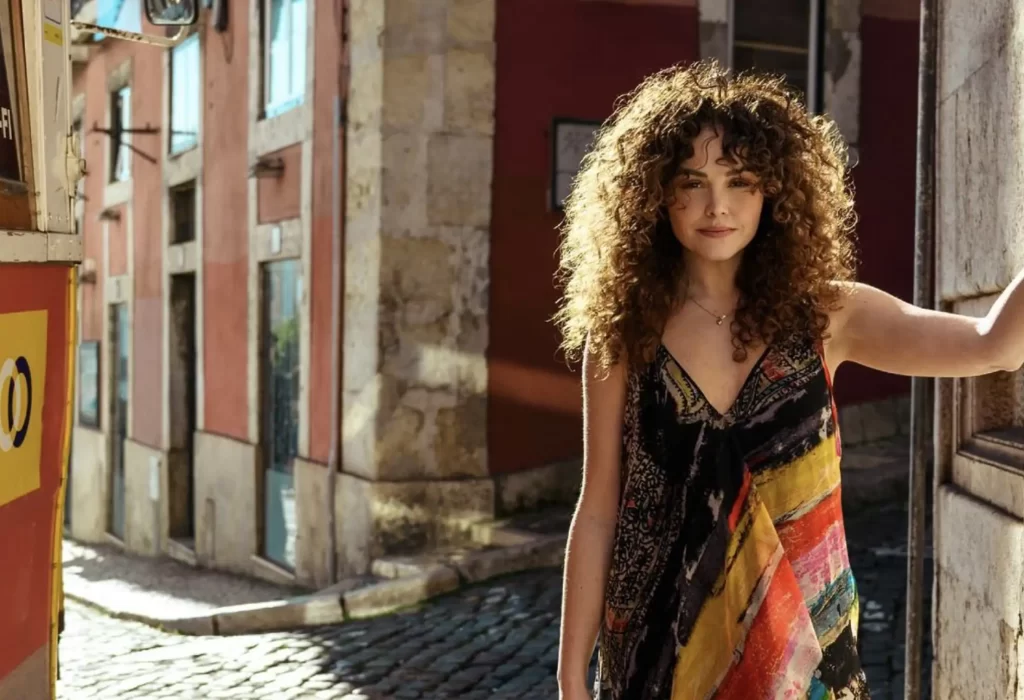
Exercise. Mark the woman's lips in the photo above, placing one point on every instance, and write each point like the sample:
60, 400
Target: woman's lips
715, 231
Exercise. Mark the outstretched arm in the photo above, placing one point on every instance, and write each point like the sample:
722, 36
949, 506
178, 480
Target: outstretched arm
878, 330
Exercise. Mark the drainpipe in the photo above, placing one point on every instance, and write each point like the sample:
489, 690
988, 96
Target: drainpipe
337, 307
921, 412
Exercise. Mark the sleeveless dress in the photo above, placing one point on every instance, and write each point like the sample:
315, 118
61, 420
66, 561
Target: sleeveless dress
730, 577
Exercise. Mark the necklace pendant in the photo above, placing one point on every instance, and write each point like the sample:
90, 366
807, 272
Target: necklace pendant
721, 319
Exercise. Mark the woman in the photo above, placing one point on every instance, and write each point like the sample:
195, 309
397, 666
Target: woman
707, 262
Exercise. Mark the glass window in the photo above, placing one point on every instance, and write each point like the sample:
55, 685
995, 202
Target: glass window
186, 73
284, 50
121, 119
280, 409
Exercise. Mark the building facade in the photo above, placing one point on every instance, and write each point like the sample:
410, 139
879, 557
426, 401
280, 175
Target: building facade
441, 138
979, 474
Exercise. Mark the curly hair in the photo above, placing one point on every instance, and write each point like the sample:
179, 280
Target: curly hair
620, 263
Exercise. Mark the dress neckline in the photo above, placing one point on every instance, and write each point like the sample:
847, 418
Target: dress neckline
751, 374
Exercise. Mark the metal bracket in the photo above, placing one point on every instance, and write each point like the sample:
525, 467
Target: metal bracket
163, 42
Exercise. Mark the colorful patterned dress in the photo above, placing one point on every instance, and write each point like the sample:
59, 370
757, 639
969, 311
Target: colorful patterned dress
730, 577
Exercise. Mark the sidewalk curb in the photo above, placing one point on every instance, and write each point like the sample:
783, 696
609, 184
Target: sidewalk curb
417, 583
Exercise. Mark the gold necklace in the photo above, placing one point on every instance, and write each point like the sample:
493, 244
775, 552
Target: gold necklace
719, 318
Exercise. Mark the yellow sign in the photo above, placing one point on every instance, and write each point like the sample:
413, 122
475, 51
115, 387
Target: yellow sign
22, 385
53, 34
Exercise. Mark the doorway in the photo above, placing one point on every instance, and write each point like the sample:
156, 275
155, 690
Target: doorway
118, 387
183, 410
279, 392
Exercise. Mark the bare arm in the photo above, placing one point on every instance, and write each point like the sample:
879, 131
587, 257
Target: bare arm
878, 330
588, 554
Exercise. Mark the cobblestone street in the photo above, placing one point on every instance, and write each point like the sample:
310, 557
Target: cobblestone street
494, 641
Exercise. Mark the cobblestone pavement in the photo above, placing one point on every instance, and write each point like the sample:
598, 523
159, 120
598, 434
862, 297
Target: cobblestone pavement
494, 641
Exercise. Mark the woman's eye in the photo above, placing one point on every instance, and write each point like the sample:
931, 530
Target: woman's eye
690, 184
740, 182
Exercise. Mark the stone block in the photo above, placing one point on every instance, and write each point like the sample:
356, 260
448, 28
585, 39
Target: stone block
311, 540
144, 527
411, 516
543, 552
971, 34
226, 475
402, 567
390, 596
469, 91
1001, 488
981, 235
533, 489
459, 172
355, 527
89, 496
403, 189
982, 547
471, 21
302, 611
977, 653
460, 443
407, 87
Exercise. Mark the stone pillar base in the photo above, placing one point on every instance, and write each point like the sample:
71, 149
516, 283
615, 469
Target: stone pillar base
89, 494
227, 503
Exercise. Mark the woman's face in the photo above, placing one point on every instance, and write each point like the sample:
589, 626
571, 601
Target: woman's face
716, 205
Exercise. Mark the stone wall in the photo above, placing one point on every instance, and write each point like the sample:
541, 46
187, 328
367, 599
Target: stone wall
979, 511
420, 140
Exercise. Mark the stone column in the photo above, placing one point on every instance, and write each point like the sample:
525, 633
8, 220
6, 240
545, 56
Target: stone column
842, 69
714, 30
979, 502
420, 158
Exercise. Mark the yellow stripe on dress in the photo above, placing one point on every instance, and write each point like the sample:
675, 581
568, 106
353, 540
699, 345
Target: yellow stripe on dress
726, 617
794, 489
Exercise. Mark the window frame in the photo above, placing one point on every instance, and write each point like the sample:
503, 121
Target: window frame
298, 95
1001, 446
186, 145
815, 51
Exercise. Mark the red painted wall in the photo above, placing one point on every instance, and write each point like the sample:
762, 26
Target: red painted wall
329, 51
225, 232
147, 230
278, 198
555, 58
884, 181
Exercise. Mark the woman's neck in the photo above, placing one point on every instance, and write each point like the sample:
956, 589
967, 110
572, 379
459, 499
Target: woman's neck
710, 280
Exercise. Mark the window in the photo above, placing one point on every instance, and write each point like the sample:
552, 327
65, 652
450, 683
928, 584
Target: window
781, 36
183, 213
120, 119
184, 101
284, 50
992, 419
